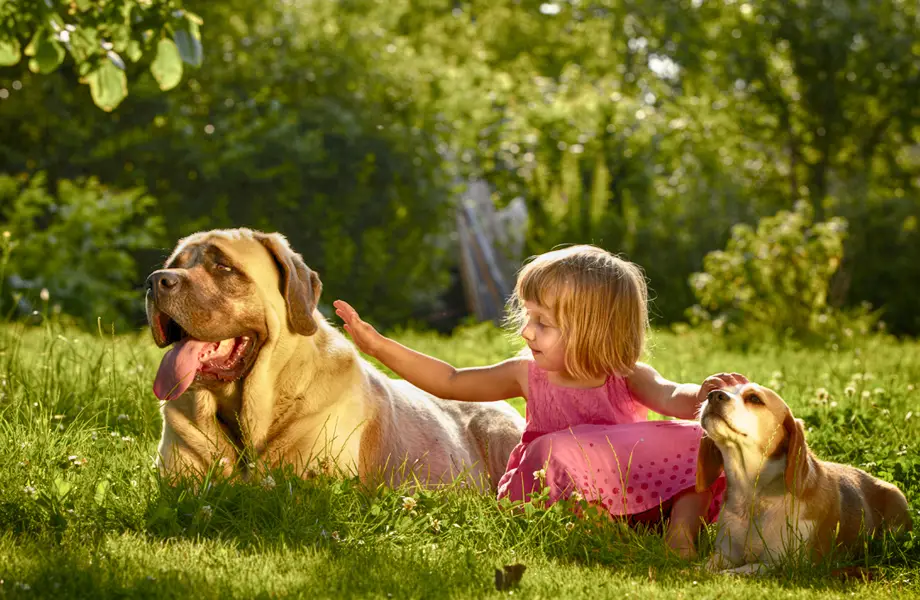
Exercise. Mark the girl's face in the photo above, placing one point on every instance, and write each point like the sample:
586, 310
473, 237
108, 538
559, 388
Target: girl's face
542, 334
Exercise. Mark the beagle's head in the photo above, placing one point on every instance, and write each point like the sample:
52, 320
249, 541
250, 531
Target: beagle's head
750, 421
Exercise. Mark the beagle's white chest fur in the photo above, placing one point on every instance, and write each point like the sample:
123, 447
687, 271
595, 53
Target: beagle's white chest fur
758, 534
759, 527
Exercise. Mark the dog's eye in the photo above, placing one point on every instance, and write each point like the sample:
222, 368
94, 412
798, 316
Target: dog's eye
223, 267
753, 399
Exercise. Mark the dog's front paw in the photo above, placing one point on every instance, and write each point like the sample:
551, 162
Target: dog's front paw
748, 569
715, 563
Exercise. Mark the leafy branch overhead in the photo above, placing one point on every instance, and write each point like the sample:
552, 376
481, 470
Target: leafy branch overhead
99, 36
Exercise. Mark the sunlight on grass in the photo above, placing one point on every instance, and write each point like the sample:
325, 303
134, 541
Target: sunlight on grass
85, 514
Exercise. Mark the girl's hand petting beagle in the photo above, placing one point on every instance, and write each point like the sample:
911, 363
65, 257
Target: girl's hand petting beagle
717, 382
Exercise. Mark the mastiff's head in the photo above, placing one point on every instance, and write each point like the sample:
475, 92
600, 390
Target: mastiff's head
219, 298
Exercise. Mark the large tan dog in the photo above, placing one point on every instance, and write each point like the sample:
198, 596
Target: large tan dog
256, 374
781, 499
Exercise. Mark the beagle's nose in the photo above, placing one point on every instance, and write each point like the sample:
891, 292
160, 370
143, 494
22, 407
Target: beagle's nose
717, 396
163, 281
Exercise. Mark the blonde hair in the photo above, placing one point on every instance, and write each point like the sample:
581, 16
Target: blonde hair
599, 301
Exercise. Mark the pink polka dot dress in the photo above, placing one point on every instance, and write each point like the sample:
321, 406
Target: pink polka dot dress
599, 442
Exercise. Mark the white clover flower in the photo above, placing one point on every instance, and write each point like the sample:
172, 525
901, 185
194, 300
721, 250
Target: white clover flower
436, 525
44, 295
206, 511
822, 394
910, 387
849, 391
29, 490
269, 482
540, 475
409, 503
866, 394
879, 391
570, 526
576, 496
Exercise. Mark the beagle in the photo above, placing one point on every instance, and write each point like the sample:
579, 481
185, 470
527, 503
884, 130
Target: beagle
780, 498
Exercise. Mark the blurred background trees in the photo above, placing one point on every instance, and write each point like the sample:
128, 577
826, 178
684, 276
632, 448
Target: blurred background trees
650, 128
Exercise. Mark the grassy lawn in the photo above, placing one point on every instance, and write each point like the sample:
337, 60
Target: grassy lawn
83, 514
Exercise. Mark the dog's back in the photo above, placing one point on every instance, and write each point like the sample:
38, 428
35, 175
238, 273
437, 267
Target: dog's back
867, 504
417, 435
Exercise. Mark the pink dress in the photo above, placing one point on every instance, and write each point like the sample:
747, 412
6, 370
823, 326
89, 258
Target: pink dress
599, 442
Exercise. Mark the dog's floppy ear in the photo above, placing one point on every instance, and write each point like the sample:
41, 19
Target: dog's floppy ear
300, 286
708, 464
797, 454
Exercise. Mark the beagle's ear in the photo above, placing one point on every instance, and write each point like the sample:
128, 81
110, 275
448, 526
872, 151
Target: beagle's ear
798, 456
300, 286
708, 464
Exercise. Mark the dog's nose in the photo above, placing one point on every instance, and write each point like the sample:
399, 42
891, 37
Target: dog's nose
717, 396
162, 281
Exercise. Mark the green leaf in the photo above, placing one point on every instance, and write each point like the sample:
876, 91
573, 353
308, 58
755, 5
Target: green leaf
108, 85
102, 489
133, 51
83, 44
83, 4
189, 45
32, 46
167, 66
48, 56
61, 488
9, 52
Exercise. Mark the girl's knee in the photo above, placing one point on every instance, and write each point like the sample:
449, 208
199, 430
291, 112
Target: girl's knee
537, 455
692, 501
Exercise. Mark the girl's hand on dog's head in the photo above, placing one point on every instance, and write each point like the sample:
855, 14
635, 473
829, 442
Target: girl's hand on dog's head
718, 382
364, 335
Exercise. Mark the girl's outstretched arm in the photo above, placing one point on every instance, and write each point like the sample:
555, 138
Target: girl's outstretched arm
507, 379
680, 400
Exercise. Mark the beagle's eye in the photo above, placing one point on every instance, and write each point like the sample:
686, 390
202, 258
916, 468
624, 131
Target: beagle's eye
753, 399
223, 267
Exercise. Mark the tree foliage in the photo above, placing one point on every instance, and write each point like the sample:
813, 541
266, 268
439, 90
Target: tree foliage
773, 283
649, 128
73, 251
98, 36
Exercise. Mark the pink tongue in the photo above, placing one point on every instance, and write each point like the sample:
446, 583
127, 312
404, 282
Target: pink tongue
178, 368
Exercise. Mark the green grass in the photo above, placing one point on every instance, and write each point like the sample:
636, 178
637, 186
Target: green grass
83, 514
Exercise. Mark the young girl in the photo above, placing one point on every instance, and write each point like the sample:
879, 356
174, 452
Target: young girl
583, 314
